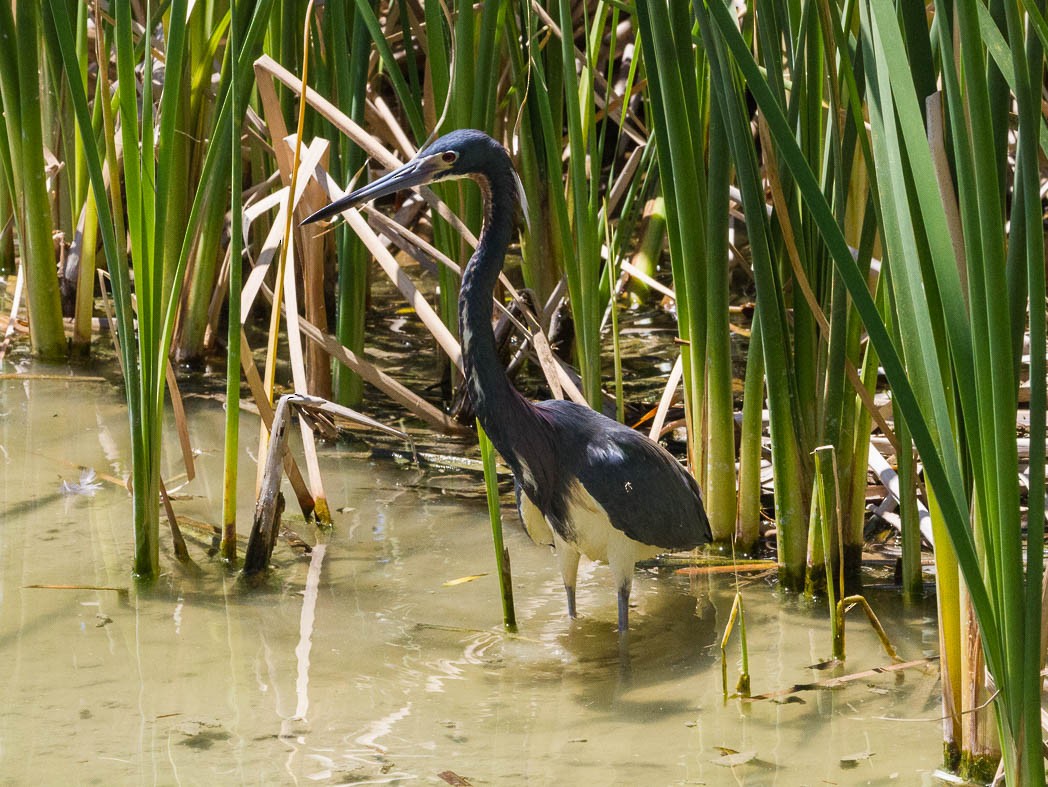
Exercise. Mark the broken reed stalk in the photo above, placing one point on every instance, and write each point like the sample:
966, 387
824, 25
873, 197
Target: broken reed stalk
847, 603
179, 543
283, 275
315, 415
738, 613
826, 480
844, 680
270, 504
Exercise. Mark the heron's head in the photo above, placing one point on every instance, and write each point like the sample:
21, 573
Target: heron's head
464, 153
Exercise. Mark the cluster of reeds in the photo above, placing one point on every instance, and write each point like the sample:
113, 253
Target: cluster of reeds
141, 167
944, 119
875, 165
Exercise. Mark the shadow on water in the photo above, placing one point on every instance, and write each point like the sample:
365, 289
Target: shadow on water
670, 639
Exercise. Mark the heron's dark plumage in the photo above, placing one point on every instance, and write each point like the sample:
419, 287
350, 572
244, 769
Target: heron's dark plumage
646, 492
584, 482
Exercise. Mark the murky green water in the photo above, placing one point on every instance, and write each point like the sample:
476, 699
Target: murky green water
359, 664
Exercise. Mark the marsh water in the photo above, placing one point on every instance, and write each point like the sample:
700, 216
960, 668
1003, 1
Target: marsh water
380, 658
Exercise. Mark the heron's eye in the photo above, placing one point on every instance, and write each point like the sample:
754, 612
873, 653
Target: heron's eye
449, 157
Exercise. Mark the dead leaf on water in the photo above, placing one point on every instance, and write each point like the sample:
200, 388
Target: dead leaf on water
825, 665
463, 580
453, 778
122, 592
735, 757
852, 760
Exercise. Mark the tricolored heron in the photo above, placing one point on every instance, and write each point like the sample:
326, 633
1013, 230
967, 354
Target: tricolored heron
585, 483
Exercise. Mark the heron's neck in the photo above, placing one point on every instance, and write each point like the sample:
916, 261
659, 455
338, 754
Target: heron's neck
501, 410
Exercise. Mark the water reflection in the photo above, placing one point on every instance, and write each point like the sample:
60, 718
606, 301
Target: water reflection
360, 663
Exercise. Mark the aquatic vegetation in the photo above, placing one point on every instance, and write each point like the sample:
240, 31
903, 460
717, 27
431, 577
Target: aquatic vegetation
848, 187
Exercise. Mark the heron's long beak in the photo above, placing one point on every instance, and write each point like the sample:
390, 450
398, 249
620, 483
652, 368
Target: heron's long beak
416, 172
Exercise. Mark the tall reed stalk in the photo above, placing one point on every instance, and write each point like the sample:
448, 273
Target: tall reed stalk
552, 96
22, 156
197, 119
76, 221
542, 254
583, 264
350, 83
692, 130
231, 455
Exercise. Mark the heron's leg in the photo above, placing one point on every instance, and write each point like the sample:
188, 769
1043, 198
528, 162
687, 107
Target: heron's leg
569, 591
622, 558
624, 607
568, 560
625, 671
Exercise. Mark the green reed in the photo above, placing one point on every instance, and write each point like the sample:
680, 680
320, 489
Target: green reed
961, 290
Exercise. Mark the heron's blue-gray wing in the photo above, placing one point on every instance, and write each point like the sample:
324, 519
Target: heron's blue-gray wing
645, 491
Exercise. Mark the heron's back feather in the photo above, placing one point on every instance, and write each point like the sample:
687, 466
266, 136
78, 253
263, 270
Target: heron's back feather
646, 492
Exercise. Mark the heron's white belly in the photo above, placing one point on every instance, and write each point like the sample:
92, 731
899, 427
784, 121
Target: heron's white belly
535, 523
594, 535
